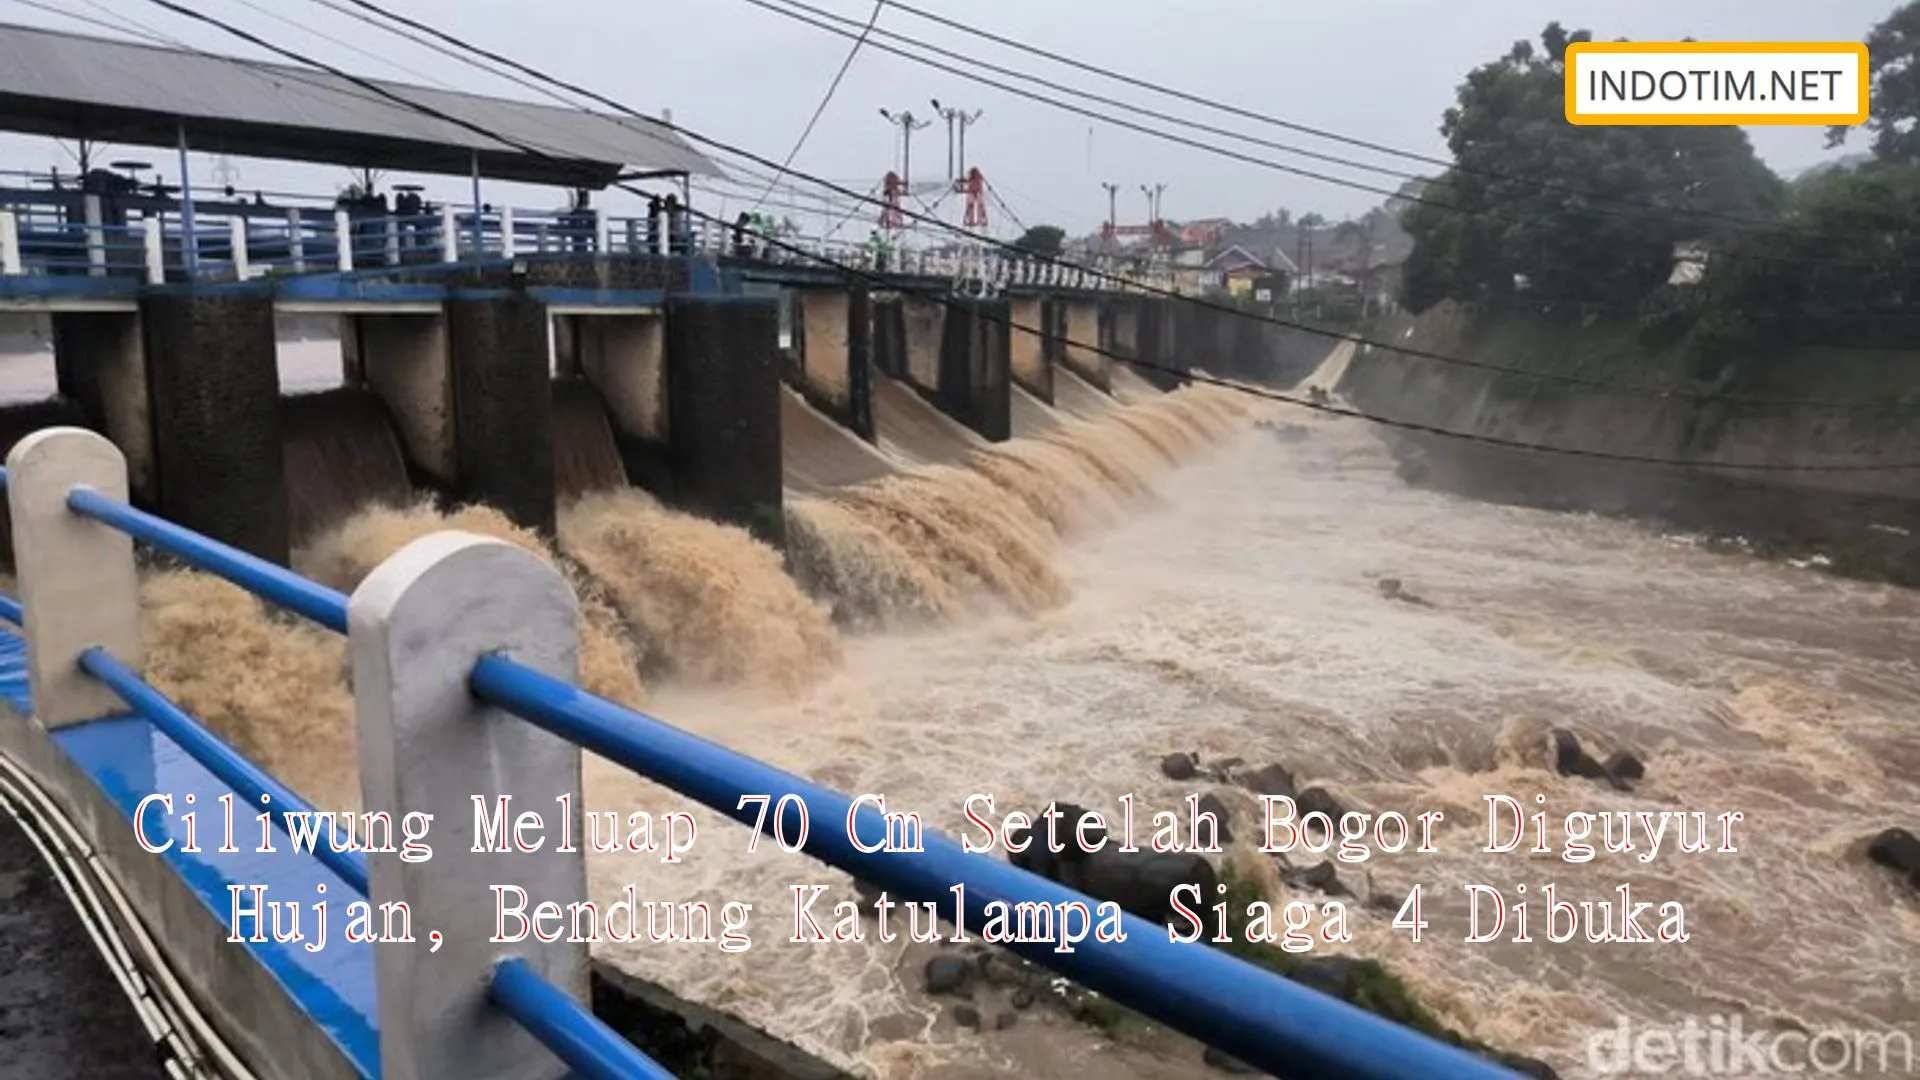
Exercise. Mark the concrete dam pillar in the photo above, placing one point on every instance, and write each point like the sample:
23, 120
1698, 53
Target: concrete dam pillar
213, 387
923, 325
1158, 341
723, 408
468, 391
502, 399
624, 358
101, 366
1035, 343
1084, 336
975, 384
403, 360
836, 347
889, 334
1119, 334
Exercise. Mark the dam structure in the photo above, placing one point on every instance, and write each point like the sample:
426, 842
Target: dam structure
511, 359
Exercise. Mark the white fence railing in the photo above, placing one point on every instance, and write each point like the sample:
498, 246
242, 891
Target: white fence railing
157, 247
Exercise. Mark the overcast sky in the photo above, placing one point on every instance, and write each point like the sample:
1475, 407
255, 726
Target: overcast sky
1382, 70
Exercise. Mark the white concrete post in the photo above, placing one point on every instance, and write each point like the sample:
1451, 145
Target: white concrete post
506, 232
415, 627
153, 235
9, 243
78, 588
449, 234
343, 240
602, 232
96, 237
393, 240
296, 241
237, 238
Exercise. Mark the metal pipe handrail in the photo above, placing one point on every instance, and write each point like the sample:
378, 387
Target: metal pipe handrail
267, 580
207, 748
587, 1045
1253, 1014
223, 761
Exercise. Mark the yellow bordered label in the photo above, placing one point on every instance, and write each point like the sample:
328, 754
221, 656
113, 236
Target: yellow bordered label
1817, 84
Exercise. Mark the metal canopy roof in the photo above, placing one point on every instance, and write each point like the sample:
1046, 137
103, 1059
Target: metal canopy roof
74, 86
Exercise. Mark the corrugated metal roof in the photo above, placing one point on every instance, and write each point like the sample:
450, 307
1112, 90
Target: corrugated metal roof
75, 86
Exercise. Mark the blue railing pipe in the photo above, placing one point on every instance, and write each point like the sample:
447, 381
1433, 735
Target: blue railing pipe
252, 573
245, 778
11, 611
1261, 1018
590, 1048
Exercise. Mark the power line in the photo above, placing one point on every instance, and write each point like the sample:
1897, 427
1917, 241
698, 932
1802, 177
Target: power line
1422, 199
949, 302
878, 6
347, 45
1662, 393
1290, 125
1317, 331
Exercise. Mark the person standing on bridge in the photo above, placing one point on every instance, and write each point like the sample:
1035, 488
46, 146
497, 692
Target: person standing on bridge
742, 235
580, 223
676, 226
654, 209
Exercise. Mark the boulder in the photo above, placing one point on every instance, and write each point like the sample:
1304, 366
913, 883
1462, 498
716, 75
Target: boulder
1899, 851
1269, 780
1625, 764
1182, 766
1211, 803
1320, 799
1571, 759
948, 974
1624, 768
1140, 882
1322, 877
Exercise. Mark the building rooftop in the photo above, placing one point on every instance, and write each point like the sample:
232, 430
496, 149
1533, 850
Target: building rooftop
79, 87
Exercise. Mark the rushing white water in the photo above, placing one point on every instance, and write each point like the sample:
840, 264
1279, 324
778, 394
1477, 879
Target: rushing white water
1246, 619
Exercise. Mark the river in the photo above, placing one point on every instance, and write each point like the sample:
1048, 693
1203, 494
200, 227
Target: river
1246, 619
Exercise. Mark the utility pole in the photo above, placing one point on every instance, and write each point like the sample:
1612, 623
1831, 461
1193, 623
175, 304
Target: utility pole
1153, 193
1113, 205
958, 121
907, 125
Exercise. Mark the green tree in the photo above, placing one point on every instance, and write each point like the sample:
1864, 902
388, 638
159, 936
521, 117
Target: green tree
1567, 212
1042, 241
1894, 51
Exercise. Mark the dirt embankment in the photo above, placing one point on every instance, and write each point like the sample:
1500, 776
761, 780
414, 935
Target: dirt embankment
1834, 426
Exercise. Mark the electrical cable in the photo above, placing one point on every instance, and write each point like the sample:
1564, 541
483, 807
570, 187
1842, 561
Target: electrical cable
192, 1047
1422, 199
1091, 347
347, 45
1566, 378
825, 100
1305, 129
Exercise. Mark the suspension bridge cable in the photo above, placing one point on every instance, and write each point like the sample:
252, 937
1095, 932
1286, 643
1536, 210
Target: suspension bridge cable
1662, 393
826, 99
1421, 199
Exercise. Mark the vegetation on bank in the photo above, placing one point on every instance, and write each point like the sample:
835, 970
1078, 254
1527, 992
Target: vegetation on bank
1540, 215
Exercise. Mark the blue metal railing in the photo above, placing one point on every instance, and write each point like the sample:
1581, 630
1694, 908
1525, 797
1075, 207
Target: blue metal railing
563, 1025
222, 760
1264, 1019
593, 1051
